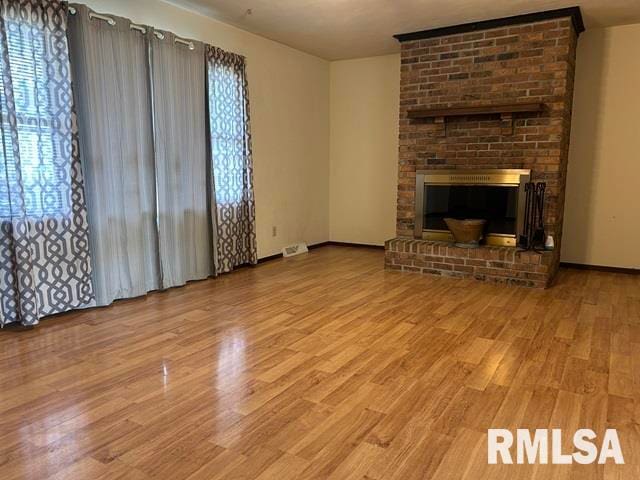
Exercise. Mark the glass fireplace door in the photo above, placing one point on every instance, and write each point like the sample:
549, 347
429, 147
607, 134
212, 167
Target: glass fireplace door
498, 205
496, 196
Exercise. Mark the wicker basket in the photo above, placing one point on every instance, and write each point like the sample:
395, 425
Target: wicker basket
467, 233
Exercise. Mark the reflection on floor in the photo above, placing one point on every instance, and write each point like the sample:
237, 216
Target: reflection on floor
322, 366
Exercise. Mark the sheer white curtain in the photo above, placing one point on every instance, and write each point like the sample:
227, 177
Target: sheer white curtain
178, 76
111, 77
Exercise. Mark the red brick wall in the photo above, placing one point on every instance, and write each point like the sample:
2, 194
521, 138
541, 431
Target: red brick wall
519, 64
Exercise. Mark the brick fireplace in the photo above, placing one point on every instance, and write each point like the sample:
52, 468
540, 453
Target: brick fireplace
488, 95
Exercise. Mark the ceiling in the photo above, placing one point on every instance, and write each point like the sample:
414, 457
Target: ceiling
341, 29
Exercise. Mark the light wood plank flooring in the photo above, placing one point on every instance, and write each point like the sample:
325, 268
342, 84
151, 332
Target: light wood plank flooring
322, 366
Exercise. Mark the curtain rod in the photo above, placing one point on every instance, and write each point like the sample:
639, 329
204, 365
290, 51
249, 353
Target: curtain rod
133, 26
185, 42
189, 44
109, 20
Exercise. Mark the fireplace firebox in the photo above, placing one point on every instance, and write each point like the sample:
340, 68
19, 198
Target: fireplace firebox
496, 195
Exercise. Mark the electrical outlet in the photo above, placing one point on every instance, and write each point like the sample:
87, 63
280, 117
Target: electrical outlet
274, 231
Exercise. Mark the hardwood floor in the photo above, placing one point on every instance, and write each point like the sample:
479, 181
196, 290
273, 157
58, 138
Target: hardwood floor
322, 366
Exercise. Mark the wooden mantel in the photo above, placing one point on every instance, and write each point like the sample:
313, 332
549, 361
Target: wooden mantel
506, 109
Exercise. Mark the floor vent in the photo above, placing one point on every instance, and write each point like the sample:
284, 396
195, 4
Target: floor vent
295, 249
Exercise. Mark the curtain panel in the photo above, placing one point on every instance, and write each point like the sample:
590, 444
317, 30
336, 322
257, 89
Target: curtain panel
111, 79
44, 247
179, 110
231, 161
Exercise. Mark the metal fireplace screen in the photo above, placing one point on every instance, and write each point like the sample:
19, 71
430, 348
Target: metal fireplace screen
497, 196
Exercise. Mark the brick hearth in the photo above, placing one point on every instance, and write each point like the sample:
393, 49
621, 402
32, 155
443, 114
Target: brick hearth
522, 63
495, 264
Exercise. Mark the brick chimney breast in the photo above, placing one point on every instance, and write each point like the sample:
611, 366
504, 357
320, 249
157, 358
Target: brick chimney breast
526, 59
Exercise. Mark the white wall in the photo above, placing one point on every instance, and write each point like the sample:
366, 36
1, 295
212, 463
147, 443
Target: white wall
364, 149
289, 93
602, 217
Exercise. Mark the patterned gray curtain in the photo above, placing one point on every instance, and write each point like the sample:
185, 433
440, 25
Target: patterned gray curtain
44, 252
230, 137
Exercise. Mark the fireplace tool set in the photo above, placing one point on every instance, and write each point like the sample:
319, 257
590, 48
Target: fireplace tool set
533, 237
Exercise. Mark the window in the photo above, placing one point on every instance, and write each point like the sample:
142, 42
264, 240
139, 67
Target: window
42, 115
228, 136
